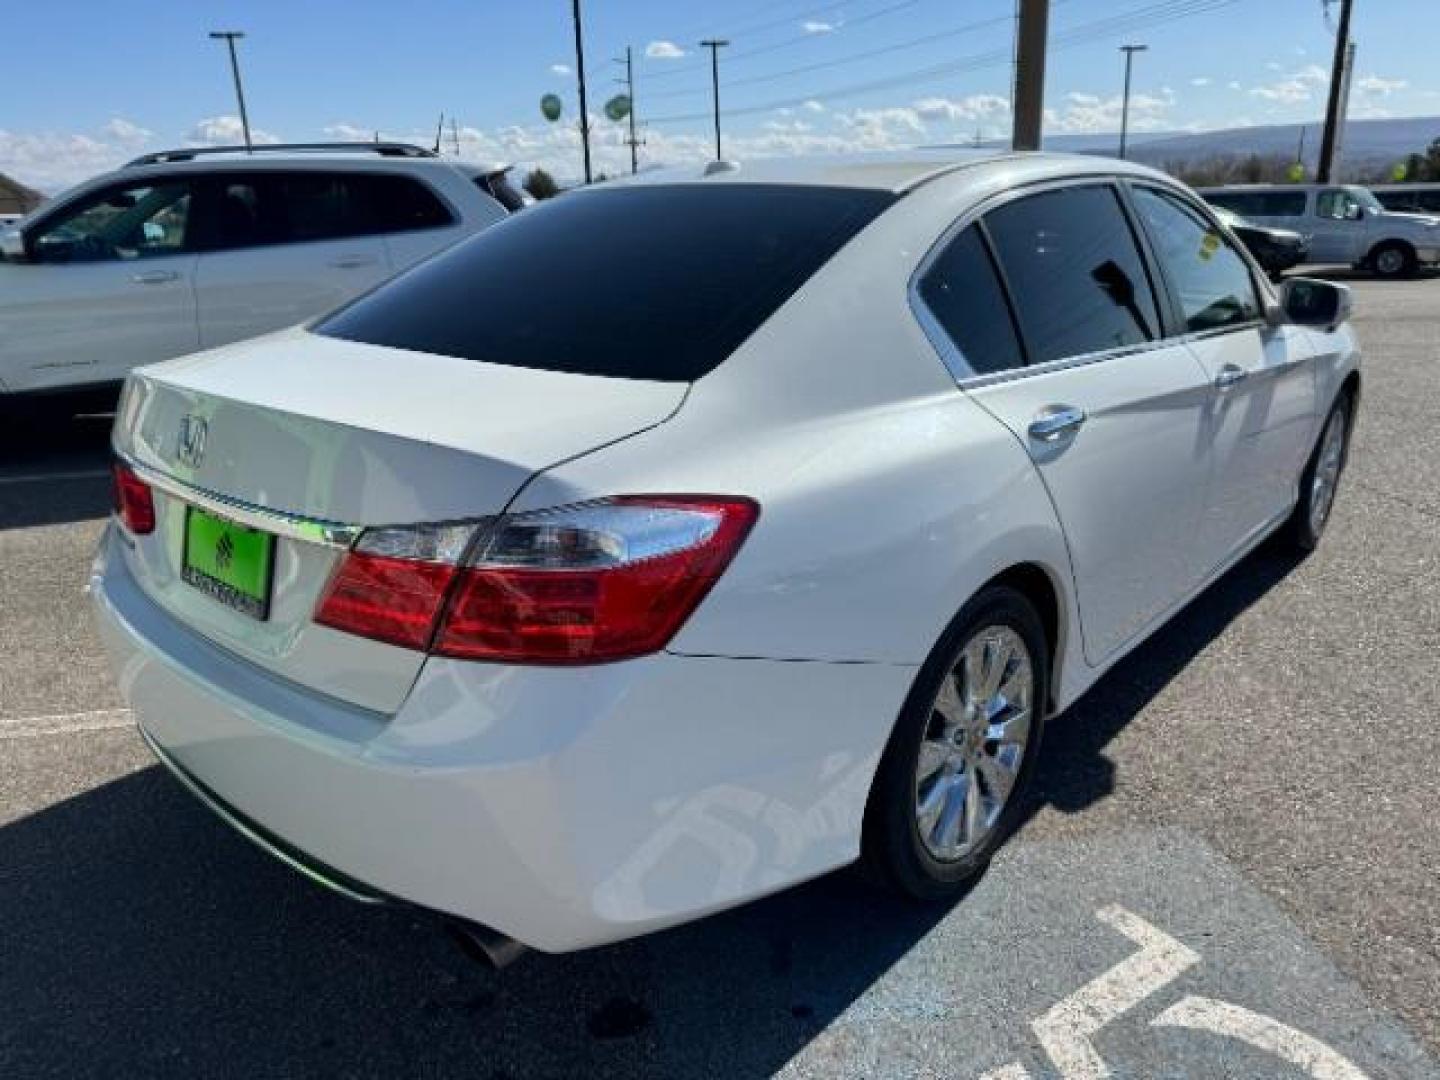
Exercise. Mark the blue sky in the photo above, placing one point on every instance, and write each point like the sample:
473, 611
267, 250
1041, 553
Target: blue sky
104, 81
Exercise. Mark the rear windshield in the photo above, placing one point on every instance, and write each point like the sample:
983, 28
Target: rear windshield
643, 282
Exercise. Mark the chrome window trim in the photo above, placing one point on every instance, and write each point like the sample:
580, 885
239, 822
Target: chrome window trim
966, 377
278, 522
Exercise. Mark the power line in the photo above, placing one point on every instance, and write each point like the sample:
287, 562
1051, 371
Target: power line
852, 58
1138, 19
683, 69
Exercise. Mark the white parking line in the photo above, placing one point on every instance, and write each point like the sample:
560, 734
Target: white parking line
1263, 1032
1065, 1030
36, 478
32, 727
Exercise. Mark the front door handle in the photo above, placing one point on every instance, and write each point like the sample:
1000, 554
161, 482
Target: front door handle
155, 277
1056, 422
1230, 375
353, 262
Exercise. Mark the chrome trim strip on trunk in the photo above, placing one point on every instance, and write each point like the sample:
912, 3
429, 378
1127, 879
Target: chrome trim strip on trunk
279, 522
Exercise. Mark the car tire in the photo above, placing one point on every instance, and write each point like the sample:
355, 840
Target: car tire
1321, 479
1393, 260
902, 844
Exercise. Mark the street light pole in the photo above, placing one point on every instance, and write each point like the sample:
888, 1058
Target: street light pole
715, 45
1129, 51
230, 37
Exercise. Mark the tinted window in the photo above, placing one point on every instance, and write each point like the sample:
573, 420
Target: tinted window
120, 223
1074, 272
1279, 203
962, 291
401, 203
254, 209
1210, 279
650, 282
1234, 201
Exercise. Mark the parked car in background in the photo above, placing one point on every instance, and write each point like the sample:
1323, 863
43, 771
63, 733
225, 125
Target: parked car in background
1276, 250
577, 589
188, 249
1409, 198
1345, 224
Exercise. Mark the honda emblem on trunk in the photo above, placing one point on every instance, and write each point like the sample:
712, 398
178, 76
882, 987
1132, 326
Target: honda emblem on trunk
190, 446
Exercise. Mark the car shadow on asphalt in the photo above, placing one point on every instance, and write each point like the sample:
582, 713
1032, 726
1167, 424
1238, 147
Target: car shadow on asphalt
53, 466
141, 937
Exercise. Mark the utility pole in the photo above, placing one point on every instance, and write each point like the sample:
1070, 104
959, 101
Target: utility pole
1129, 51
455, 134
629, 82
580, 77
1030, 34
439, 131
230, 37
715, 45
1335, 107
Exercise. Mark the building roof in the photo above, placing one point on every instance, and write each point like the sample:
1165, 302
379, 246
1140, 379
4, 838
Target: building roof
16, 198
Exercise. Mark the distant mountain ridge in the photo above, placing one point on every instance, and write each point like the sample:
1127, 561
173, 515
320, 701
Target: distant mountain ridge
1367, 143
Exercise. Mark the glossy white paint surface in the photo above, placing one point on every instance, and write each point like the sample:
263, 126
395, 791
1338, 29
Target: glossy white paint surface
568, 807
71, 324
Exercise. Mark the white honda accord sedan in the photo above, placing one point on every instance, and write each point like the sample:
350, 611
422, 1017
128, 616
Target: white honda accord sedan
685, 538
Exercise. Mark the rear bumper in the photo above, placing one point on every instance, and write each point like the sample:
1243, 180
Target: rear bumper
561, 807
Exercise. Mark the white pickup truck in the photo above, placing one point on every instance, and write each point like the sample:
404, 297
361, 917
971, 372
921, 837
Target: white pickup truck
1345, 223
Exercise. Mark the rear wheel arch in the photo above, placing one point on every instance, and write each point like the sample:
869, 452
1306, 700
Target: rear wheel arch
1038, 585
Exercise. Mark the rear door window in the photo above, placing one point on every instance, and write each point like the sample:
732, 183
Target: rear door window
647, 282
1075, 272
964, 294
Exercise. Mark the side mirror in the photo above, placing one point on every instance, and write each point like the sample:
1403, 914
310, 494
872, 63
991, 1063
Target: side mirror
12, 244
1354, 212
1311, 302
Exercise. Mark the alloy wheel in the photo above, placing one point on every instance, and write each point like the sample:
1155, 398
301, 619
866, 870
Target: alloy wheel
1327, 471
974, 743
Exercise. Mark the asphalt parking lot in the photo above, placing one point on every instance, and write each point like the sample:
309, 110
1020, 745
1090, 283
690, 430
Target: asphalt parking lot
1231, 868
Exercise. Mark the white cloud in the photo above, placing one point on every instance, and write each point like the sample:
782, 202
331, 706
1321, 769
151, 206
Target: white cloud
967, 109
124, 133
813, 106
227, 131
664, 50
1200, 80
1234, 85
816, 26
1297, 87
559, 69
349, 133
1374, 84
1090, 113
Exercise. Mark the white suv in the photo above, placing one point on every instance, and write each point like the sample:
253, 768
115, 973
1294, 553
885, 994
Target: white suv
188, 249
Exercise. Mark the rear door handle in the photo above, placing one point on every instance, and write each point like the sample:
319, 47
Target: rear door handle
1056, 422
155, 277
1230, 375
353, 262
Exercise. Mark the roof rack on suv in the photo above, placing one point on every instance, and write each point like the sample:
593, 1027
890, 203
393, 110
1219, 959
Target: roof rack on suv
383, 149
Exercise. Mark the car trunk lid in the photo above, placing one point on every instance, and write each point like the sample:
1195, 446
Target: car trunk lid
309, 439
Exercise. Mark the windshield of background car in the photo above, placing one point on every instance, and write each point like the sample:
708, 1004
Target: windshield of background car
655, 282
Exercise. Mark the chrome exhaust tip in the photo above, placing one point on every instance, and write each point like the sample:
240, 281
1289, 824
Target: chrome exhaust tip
484, 945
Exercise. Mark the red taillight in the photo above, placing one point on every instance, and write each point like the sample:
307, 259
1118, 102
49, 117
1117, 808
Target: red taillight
584, 584
392, 600
134, 504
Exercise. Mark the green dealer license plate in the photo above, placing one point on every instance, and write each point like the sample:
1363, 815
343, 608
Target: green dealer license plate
228, 562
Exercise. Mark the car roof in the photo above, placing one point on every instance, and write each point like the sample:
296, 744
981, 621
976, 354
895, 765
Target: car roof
895, 171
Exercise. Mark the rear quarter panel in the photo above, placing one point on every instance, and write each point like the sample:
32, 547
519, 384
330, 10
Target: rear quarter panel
887, 496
